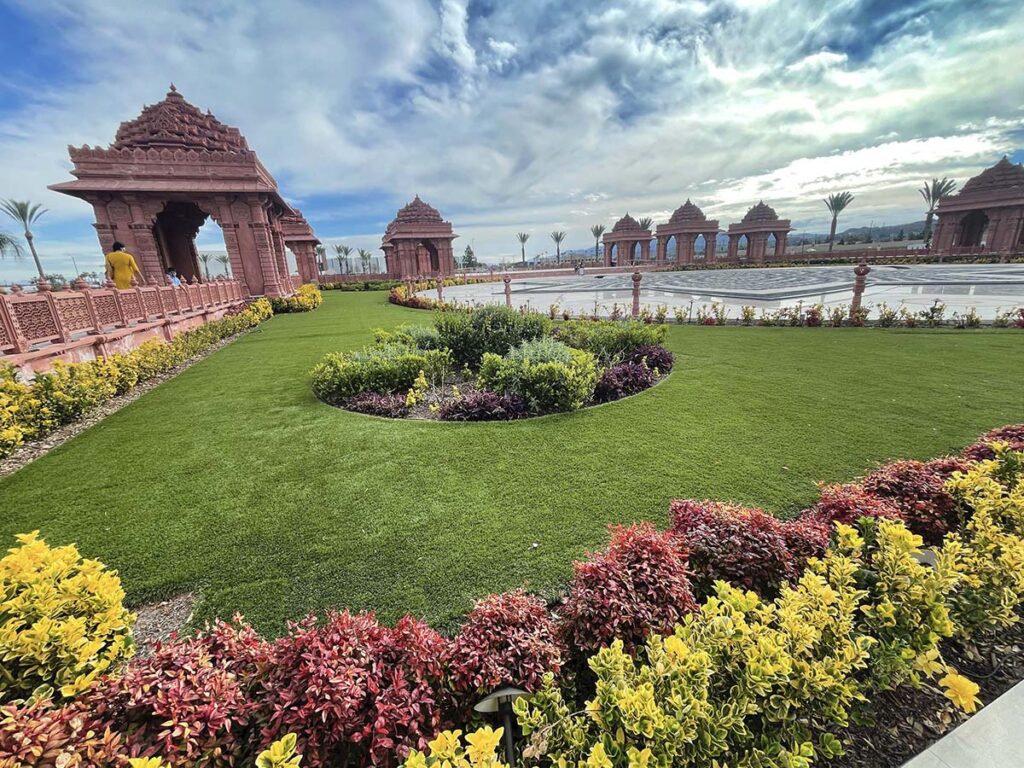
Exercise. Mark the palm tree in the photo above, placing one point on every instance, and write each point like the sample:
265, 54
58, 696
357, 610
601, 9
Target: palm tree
835, 203
342, 252
523, 237
558, 237
205, 258
932, 192
597, 230
321, 258
645, 222
225, 261
364, 258
9, 245
26, 214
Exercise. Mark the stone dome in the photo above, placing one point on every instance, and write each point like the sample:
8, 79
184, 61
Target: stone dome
1002, 175
627, 224
760, 212
687, 213
418, 212
175, 124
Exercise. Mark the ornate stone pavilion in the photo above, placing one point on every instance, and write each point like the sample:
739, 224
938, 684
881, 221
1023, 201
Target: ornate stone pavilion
688, 223
760, 224
988, 212
418, 242
622, 244
170, 169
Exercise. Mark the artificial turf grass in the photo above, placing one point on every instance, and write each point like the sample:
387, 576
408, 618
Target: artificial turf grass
234, 479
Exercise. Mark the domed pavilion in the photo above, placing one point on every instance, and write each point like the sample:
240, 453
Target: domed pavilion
687, 225
987, 214
759, 225
627, 243
169, 170
418, 242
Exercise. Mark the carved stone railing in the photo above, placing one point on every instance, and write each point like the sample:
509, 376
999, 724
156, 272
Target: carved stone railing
31, 320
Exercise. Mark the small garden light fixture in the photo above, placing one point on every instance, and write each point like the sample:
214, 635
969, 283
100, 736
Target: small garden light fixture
501, 701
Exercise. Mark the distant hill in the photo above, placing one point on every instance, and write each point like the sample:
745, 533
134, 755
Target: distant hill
888, 232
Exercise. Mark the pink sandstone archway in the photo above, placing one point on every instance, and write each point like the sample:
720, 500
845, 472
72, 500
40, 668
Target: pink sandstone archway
418, 242
688, 222
987, 214
760, 222
627, 243
166, 172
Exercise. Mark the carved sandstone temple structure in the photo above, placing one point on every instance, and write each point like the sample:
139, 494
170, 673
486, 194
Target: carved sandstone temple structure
759, 225
418, 243
170, 169
987, 214
627, 243
688, 225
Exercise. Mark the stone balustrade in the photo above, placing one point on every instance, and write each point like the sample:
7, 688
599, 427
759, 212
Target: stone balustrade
85, 322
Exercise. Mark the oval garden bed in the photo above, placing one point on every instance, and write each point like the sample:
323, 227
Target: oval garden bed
494, 363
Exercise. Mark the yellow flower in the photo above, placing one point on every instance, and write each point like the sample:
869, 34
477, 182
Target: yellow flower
929, 662
482, 743
416, 760
961, 691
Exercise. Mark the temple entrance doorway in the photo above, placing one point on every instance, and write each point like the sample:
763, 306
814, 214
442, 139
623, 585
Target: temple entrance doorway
700, 246
175, 232
972, 229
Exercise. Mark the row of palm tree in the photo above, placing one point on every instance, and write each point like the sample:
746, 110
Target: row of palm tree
343, 252
222, 258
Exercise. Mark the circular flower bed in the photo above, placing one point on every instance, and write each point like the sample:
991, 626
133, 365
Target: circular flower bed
494, 363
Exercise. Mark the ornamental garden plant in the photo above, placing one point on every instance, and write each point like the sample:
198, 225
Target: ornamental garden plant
494, 363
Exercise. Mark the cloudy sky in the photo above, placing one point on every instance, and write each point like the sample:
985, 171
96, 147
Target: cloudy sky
525, 115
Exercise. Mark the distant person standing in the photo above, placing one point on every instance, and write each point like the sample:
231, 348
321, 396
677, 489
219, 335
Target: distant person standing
172, 277
121, 267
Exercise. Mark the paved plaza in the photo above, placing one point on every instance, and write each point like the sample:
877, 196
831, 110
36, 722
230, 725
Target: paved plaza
985, 287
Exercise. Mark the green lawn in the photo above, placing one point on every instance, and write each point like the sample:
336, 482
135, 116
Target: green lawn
233, 479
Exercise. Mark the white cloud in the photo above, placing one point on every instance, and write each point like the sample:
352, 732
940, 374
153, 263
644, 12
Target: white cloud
454, 25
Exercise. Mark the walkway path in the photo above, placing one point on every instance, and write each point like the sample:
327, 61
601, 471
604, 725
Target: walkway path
990, 739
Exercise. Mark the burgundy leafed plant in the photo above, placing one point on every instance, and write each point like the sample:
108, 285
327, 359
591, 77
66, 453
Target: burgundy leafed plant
916, 487
1011, 433
623, 380
653, 356
39, 735
508, 639
483, 405
354, 692
635, 587
848, 502
744, 546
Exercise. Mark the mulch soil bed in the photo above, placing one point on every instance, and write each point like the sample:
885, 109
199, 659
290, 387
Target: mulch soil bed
909, 720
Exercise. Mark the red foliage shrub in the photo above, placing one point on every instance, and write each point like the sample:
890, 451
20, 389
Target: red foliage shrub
653, 356
177, 704
508, 639
745, 546
847, 503
1011, 433
916, 487
637, 586
235, 646
356, 693
622, 380
39, 736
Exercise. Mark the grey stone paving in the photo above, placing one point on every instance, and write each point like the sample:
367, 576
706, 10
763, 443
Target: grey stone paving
992, 738
986, 287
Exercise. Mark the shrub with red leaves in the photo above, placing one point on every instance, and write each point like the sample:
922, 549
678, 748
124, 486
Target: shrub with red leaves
40, 736
916, 487
1011, 433
179, 705
745, 546
635, 587
235, 646
847, 503
484, 405
508, 639
354, 692
391, 406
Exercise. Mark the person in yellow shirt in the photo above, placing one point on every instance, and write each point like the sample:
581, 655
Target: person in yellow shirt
121, 267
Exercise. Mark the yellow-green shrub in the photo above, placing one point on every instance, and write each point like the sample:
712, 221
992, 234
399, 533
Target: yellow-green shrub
988, 552
62, 621
742, 682
305, 299
448, 751
21, 413
903, 604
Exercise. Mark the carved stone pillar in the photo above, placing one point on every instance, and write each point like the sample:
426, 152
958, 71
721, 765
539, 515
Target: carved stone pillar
260, 228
